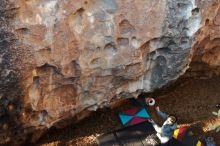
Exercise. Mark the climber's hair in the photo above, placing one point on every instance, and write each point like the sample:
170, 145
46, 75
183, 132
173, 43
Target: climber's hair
172, 118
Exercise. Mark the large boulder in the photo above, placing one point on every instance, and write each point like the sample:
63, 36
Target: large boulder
61, 57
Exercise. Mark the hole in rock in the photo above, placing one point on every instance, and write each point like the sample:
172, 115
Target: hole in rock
110, 49
23, 31
195, 11
125, 27
207, 22
123, 41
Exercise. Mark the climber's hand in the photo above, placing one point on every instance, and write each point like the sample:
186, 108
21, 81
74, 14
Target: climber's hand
157, 109
151, 121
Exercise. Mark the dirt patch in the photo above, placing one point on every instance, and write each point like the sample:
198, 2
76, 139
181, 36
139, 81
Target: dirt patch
191, 100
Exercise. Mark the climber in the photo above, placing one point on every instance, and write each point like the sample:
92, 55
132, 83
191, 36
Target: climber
164, 133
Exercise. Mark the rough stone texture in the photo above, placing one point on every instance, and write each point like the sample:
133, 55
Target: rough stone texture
11, 91
61, 57
206, 50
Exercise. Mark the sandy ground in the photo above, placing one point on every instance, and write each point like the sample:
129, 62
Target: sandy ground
191, 100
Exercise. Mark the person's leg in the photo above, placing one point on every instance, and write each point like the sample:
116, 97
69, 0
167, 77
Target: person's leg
164, 144
152, 140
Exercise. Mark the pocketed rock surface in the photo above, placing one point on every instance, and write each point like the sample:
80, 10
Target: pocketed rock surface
60, 59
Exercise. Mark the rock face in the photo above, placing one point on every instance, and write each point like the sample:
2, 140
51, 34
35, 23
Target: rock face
206, 50
61, 57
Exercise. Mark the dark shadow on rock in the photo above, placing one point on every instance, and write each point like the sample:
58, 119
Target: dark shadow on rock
11, 131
